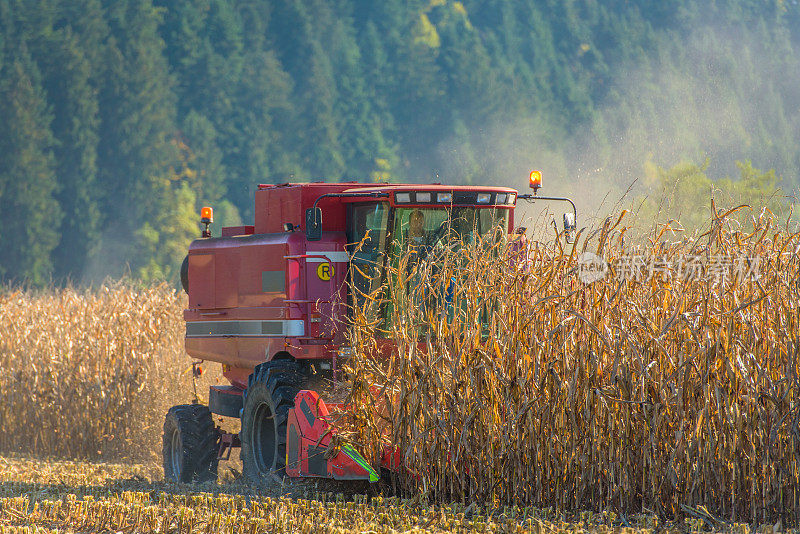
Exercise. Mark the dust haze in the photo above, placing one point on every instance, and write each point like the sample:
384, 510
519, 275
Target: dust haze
723, 99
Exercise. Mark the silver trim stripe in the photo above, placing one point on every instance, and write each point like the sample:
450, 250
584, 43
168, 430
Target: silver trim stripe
335, 257
285, 328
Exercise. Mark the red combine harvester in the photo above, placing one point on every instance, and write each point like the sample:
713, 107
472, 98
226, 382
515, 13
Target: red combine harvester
266, 301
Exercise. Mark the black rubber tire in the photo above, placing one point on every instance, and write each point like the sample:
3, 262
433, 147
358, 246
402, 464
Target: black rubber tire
190, 427
269, 397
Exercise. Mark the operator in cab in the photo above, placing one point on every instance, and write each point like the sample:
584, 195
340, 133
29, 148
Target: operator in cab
416, 239
416, 228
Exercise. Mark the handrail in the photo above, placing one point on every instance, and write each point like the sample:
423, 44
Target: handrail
373, 194
299, 257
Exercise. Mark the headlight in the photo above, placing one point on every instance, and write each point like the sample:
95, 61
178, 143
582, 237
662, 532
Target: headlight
445, 198
484, 198
423, 197
402, 198
501, 198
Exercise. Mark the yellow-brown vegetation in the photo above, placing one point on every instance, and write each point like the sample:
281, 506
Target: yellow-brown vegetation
524, 385
86, 497
90, 373
509, 386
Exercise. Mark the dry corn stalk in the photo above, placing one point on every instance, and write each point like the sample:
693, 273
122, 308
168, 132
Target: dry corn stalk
528, 386
90, 373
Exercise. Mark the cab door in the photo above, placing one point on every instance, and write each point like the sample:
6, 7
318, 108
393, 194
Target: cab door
368, 225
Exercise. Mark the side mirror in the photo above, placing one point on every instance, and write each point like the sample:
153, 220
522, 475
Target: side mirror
313, 224
569, 227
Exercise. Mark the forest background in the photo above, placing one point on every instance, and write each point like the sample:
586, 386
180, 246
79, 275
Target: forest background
120, 118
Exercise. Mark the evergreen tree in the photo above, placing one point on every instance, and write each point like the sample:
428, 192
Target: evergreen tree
136, 152
261, 96
30, 213
202, 158
418, 97
378, 80
140, 111
263, 144
297, 30
203, 44
472, 87
75, 127
362, 140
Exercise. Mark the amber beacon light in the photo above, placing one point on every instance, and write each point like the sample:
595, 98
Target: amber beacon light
206, 218
536, 180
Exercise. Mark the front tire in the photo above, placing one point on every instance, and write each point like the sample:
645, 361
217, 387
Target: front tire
270, 395
190, 444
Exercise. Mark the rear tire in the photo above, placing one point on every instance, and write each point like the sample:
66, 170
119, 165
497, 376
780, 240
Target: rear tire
269, 397
190, 444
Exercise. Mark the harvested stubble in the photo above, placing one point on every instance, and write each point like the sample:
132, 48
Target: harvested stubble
90, 373
79, 497
665, 393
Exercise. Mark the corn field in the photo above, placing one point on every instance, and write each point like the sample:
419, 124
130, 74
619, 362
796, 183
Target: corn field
83, 497
517, 383
90, 373
514, 384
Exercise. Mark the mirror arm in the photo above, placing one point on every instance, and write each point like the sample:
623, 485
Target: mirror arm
533, 198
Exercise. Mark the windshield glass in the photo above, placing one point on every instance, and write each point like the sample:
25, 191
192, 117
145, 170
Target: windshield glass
431, 227
412, 235
422, 238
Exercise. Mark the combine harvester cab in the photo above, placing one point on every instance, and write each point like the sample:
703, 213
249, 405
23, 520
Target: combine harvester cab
267, 301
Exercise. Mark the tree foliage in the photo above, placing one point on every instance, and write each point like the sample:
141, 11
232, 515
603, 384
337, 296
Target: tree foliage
122, 117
